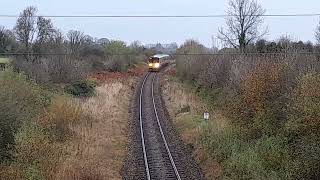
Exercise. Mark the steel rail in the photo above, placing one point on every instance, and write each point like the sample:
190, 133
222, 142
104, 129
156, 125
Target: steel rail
161, 131
141, 130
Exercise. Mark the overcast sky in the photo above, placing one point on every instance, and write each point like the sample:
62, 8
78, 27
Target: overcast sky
164, 30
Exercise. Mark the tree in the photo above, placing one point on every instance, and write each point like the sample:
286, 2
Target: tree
7, 40
76, 40
25, 27
317, 33
103, 41
117, 55
136, 47
45, 30
116, 47
45, 34
36, 35
261, 45
243, 23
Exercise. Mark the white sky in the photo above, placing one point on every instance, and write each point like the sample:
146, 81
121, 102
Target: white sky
164, 30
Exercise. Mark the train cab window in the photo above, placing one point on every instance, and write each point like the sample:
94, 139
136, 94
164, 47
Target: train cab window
153, 60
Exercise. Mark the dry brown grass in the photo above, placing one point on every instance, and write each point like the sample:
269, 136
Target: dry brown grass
99, 148
177, 96
189, 124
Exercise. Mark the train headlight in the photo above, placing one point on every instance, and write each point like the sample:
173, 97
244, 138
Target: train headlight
150, 64
157, 65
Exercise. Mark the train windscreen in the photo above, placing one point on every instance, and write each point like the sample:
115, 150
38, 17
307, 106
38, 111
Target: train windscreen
153, 60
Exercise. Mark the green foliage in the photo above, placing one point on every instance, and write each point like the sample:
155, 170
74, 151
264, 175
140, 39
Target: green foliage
4, 60
305, 106
305, 152
116, 47
32, 150
20, 101
303, 127
83, 88
266, 159
33, 174
221, 143
120, 56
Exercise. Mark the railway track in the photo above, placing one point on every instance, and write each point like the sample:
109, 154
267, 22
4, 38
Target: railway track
158, 160
156, 151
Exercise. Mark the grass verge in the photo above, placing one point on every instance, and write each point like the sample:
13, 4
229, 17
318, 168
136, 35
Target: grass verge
53, 136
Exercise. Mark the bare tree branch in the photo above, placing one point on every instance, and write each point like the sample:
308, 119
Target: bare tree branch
243, 23
25, 29
75, 40
317, 33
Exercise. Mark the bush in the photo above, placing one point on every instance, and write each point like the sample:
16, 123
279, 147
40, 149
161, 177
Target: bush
305, 152
268, 158
53, 69
303, 127
305, 106
35, 153
188, 67
259, 106
82, 88
221, 143
264, 158
20, 101
59, 116
32, 128
119, 56
38, 149
273, 104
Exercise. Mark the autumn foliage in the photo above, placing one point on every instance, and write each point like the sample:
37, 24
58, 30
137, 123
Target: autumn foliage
272, 103
263, 85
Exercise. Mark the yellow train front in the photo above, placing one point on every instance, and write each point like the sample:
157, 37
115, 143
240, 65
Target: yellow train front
155, 62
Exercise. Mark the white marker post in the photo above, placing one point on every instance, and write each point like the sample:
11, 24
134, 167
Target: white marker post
206, 116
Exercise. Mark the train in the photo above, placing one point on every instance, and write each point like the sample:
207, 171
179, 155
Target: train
155, 62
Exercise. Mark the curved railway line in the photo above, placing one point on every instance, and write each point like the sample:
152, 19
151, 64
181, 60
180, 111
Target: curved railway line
153, 156
156, 150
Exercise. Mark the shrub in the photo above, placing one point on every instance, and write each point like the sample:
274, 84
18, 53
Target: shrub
274, 112
259, 105
188, 67
263, 86
59, 116
82, 88
10, 172
38, 148
221, 143
266, 159
305, 106
303, 127
305, 152
119, 56
20, 101
53, 69
35, 153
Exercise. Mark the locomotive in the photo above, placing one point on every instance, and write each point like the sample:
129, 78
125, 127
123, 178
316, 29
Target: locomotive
156, 62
